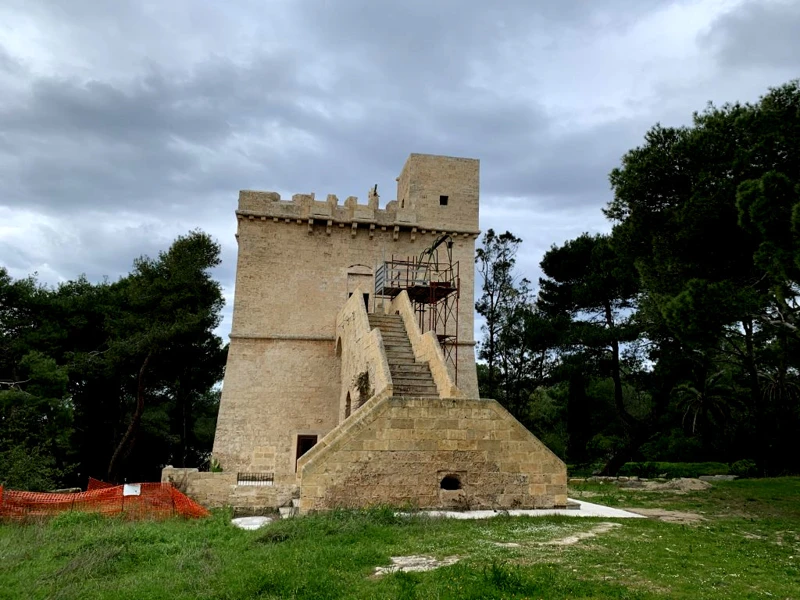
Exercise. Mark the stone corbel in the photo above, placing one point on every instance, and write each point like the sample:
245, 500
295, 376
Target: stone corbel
396, 233
310, 226
371, 230
328, 226
353, 229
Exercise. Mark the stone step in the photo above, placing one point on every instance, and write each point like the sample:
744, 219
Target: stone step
407, 364
398, 351
412, 375
396, 344
397, 356
416, 390
411, 383
415, 376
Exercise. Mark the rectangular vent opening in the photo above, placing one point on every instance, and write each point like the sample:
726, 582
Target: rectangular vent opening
260, 479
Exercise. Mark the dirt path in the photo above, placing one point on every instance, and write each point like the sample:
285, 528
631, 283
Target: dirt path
668, 516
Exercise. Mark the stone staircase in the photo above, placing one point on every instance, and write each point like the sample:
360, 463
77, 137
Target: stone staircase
410, 378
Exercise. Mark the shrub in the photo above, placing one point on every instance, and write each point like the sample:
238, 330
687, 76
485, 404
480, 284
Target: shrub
744, 468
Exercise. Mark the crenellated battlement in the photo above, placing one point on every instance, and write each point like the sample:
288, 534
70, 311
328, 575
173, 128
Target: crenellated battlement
435, 193
306, 206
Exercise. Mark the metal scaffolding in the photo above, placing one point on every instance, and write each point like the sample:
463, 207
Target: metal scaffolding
434, 288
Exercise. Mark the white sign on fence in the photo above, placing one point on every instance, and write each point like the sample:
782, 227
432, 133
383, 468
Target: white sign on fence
132, 489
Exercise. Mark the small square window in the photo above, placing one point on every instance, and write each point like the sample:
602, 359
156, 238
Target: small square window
443, 200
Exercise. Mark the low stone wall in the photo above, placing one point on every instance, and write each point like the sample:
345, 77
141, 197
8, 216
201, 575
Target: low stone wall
361, 350
217, 490
408, 451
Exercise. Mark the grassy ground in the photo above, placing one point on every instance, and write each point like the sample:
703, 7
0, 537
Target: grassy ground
747, 546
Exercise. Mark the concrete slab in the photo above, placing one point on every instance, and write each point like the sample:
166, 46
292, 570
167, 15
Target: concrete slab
251, 523
587, 509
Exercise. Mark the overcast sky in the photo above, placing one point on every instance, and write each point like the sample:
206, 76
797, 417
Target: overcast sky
124, 123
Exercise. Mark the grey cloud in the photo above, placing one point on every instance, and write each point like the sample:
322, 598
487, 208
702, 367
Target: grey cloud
406, 67
757, 34
166, 110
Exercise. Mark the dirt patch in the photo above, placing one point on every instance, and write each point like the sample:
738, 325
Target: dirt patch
508, 544
566, 541
682, 485
583, 494
415, 563
668, 516
582, 535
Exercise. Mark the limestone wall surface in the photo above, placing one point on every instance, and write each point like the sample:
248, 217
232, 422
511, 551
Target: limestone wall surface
426, 178
292, 282
399, 450
360, 350
298, 263
275, 390
217, 490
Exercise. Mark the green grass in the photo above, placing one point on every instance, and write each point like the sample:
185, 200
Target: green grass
748, 546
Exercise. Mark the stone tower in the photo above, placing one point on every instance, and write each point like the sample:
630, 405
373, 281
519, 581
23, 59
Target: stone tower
334, 390
299, 261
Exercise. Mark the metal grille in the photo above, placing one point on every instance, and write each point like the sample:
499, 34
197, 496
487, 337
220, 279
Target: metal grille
255, 479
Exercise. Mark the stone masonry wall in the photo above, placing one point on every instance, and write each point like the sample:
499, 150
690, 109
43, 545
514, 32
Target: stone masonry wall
275, 390
217, 490
399, 450
360, 350
297, 262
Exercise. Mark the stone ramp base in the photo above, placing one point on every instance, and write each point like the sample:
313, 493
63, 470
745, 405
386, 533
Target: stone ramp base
464, 454
217, 490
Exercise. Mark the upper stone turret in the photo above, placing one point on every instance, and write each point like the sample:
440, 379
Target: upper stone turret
436, 193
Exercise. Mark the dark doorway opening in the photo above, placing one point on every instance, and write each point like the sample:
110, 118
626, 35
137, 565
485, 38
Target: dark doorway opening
304, 444
450, 483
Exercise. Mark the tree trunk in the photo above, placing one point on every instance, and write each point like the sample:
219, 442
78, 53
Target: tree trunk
760, 449
130, 433
616, 462
619, 402
578, 417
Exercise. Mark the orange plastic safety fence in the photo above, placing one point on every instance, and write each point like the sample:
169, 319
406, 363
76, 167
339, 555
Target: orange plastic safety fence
142, 500
96, 484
